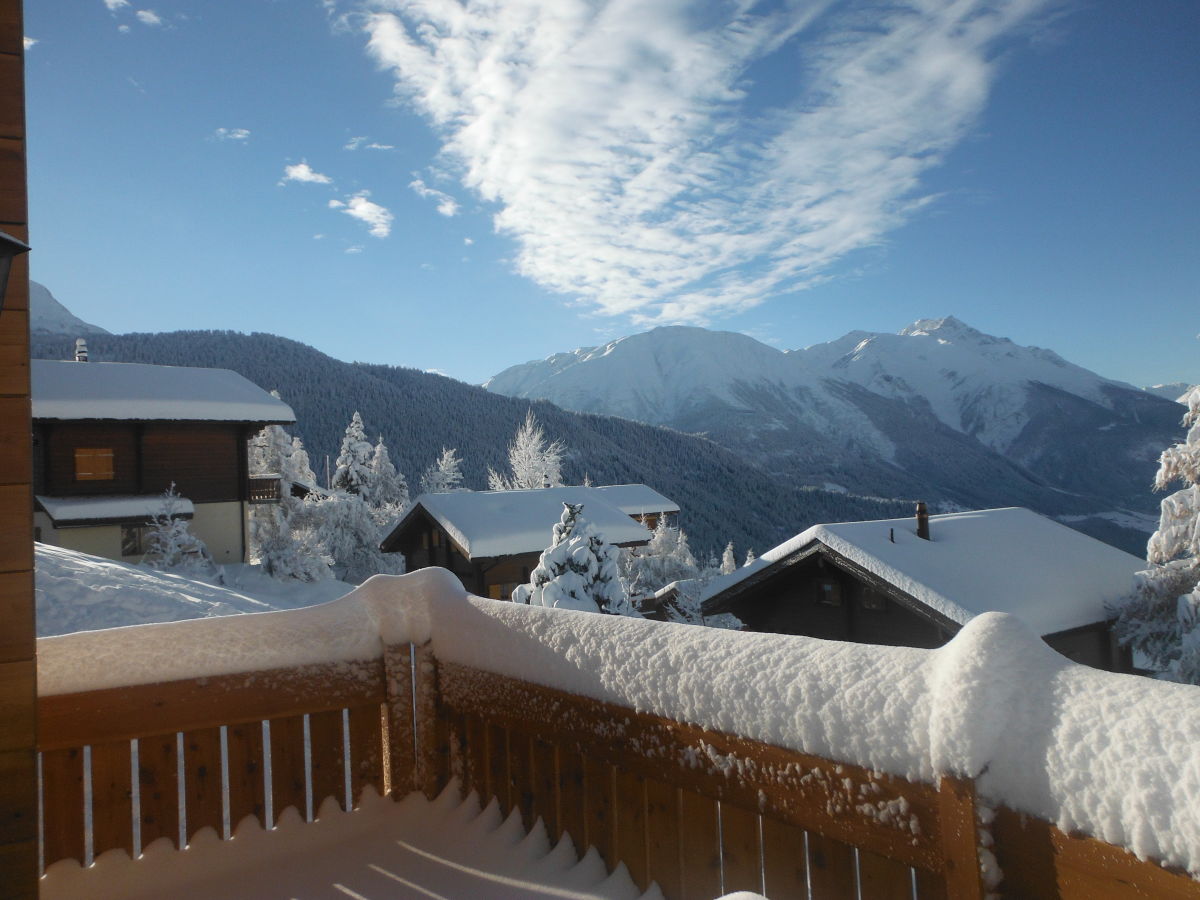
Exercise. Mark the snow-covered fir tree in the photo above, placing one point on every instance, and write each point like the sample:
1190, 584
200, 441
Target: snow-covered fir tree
346, 530
279, 540
577, 571
1162, 617
666, 558
750, 557
171, 546
534, 462
354, 460
686, 607
444, 475
387, 490
728, 560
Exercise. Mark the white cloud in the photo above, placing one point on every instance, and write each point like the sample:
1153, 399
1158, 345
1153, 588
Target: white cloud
446, 205
364, 143
377, 218
124, 29
354, 249
29, 42
148, 17
468, 241
303, 172
232, 134
114, 5
638, 166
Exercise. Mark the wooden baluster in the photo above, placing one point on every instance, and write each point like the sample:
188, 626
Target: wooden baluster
498, 766
784, 867
327, 758
247, 787
572, 798
740, 850
631, 827
881, 878
932, 886
831, 869
600, 809
62, 805
289, 779
202, 781
956, 811
477, 759
545, 785
366, 750
700, 840
663, 850
112, 797
397, 662
433, 744
520, 776
158, 788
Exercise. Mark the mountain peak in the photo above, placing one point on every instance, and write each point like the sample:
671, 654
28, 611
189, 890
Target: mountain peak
48, 316
947, 328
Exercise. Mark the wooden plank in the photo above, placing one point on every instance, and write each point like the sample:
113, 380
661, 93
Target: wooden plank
204, 804
112, 797
700, 840
960, 853
1076, 866
62, 805
520, 776
883, 878
600, 809
16, 513
16, 447
630, 812
931, 886
831, 870
740, 851
572, 798
454, 726
819, 795
14, 358
158, 787
18, 796
366, 750
289, 779
12, 179
247, 783
18, 863
477, 758
432, 737
785, 870
327, 758
663, 851
545, 785
497, 739
397, 661
128, 712
17, 639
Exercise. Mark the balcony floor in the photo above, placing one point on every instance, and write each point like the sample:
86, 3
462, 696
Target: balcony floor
443, 849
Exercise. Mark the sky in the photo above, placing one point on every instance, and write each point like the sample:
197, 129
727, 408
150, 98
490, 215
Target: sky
464, 185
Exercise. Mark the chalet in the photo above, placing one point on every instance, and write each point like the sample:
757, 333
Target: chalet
917, 582
110, 438
492, 539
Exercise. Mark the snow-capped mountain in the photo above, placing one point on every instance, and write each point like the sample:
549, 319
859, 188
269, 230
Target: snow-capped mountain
1176, 390
48, 316
940, 410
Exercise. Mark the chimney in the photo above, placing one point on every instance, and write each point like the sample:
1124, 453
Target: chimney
922, 521
80, 350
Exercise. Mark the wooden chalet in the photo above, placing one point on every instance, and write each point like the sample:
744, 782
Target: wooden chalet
492, 539
110, 438
915, 583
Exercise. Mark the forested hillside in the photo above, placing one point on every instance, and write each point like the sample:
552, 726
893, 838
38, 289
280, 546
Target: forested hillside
722, 497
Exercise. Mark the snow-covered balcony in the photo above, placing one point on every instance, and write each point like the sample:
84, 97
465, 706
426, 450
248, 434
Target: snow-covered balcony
691, 761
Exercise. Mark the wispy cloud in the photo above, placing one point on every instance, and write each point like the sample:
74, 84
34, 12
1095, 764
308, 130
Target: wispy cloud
378, 219
29, 42
446, 205
148, 17
114, 5
233, 134
303, 172
364, 143
467, 242
638, 165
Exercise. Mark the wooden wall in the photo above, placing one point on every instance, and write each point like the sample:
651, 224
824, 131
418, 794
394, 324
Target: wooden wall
18, 688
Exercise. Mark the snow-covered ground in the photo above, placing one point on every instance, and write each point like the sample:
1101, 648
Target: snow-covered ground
446, 849
79, 592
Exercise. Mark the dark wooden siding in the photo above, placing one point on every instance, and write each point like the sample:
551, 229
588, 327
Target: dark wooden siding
202, 460
61, 441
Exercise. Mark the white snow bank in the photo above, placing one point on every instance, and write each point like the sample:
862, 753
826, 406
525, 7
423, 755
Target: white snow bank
385, 851
1116, 756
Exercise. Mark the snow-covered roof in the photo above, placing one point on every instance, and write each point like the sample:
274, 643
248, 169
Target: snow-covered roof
70, 390
84, 510
1003, 560
637, 499
505, 523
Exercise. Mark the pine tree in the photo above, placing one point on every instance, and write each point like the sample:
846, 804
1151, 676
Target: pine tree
276, 543
354, 461
577, 571
1162, 617
750, 557
388, 489
534, 463
347, 534
728, 560
444, 475
666, 558
171, 546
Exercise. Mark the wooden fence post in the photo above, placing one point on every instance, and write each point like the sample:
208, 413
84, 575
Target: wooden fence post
432, 745
960, 838
397, 662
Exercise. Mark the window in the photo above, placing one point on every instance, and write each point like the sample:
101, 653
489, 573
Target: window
874, 601
133, 540
502, 591
94, 464
829, 593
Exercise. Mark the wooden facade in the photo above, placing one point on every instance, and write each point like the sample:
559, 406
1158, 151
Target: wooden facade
18, 671
819, 593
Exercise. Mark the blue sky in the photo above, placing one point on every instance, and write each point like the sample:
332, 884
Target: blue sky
464, 186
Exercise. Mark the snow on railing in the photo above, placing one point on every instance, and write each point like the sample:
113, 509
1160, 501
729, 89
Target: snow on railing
1113, 756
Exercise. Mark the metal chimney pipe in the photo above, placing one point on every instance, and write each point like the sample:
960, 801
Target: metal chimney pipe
922, 521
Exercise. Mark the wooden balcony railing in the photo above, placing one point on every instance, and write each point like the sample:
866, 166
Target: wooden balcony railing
696, 810
262, 488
